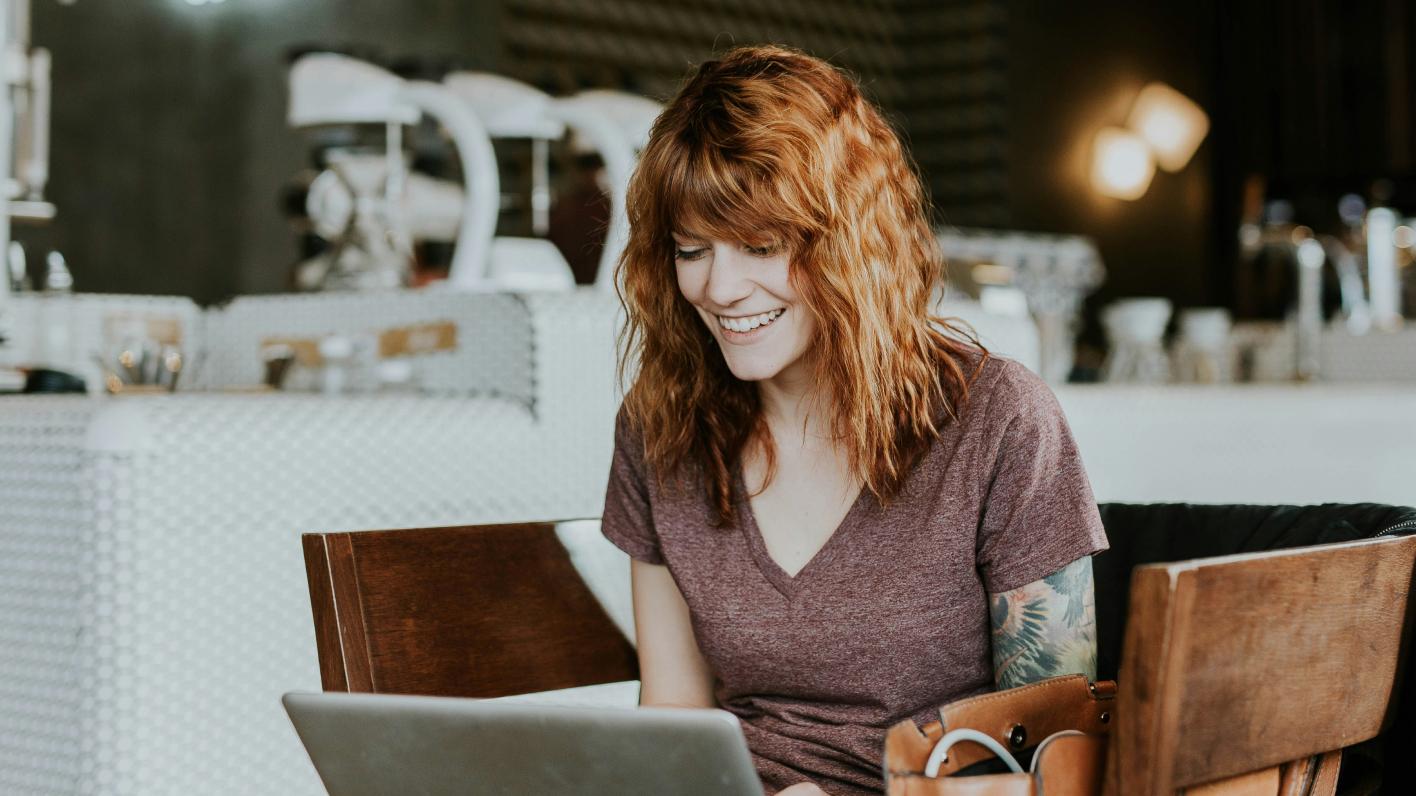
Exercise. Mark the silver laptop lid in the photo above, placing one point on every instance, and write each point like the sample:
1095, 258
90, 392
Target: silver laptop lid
378, 744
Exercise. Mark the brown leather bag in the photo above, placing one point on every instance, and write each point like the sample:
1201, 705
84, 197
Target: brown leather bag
1065, 720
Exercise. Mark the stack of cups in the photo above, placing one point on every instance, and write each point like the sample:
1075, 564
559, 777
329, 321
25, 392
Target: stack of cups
1135, 329
1202, 355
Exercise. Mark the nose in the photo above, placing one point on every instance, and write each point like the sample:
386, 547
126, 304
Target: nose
729, 280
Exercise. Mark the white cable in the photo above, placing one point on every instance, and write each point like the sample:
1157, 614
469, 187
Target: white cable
941, 750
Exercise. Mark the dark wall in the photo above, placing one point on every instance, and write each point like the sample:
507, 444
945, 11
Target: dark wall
1076, 67
170, 146
1314, 98
953, 104
1317, 101
170, 143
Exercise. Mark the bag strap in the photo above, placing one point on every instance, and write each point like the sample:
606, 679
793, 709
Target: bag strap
1037, 755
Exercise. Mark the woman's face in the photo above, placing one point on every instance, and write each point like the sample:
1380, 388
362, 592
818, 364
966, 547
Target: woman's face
745, 296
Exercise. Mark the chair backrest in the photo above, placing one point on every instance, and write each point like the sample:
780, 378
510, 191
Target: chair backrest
479, 611
1154, 533
1242, 662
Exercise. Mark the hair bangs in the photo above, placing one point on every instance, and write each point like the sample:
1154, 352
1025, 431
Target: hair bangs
708, 193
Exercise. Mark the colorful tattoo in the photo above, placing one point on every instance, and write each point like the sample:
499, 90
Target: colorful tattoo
1045, 628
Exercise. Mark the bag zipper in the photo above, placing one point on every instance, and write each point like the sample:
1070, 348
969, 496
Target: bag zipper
1400, 526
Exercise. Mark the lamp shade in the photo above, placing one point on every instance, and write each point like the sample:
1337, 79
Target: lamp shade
1121, 164
1170, 122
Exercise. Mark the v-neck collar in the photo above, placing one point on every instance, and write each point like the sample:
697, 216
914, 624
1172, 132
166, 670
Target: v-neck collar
790, 585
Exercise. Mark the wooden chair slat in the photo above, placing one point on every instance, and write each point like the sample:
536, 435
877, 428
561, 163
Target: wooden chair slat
478, 611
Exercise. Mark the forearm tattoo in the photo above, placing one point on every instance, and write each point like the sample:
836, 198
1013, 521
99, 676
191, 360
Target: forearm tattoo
1045, 628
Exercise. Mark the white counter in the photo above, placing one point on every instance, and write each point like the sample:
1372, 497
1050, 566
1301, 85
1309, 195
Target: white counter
1318, 443
153, 602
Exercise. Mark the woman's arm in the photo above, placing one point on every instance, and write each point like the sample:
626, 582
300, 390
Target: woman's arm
1045, 628
672, 671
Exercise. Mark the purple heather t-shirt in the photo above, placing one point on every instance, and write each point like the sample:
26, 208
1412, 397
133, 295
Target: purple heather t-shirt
890, 619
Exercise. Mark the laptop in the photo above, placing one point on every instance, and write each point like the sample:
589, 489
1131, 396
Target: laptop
368, 744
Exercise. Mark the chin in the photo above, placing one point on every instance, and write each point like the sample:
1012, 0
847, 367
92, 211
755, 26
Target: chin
751, 370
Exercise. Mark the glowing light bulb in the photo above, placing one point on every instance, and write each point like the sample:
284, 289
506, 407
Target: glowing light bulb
1170, 122
1121, 164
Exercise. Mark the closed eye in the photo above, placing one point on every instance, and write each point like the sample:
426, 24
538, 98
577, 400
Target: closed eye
689, 254
761, 251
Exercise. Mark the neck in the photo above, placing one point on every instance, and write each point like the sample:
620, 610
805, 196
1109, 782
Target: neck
791, 404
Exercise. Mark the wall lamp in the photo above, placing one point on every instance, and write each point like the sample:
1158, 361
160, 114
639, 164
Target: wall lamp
1164, 129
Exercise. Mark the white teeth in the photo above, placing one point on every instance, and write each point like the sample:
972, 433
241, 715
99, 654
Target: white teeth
750, 322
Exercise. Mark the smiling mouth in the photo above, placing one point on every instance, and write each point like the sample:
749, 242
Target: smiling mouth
750, 322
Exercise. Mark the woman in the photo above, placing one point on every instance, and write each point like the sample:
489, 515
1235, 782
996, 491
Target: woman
841, 512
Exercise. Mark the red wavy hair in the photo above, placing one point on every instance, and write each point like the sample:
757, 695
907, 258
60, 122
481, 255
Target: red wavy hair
770, 145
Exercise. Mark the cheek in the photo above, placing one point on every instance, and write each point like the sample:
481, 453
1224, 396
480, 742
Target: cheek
691, 282
784, 282
806, 329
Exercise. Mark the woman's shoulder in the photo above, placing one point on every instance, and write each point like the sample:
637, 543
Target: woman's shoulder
632, 446
629, 435
1003, 388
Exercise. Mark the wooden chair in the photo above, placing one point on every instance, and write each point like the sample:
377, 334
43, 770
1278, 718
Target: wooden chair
1237, 664
479, 611
1230, 665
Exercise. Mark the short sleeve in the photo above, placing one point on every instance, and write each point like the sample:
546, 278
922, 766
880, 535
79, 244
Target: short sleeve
1039, 513
628, 521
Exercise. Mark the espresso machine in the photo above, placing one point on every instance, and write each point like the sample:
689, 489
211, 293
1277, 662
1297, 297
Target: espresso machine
24, 142
367, 201
372, 205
